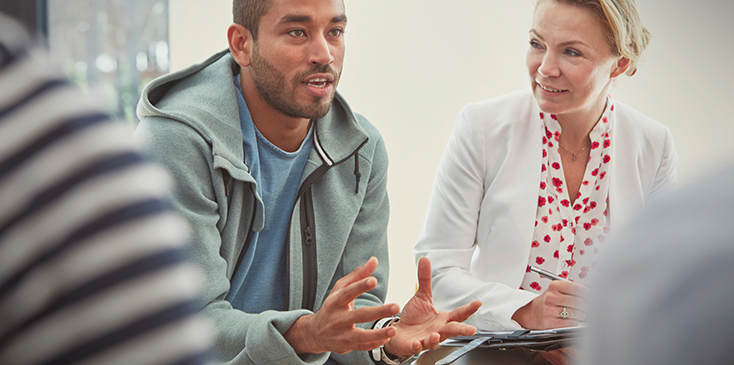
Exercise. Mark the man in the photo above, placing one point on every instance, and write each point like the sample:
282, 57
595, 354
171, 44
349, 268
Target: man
92, 268
286, 189
663, 293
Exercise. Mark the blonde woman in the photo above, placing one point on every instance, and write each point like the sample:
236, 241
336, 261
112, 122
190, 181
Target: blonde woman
541, 177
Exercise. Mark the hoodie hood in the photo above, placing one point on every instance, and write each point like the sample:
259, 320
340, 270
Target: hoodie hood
203, 97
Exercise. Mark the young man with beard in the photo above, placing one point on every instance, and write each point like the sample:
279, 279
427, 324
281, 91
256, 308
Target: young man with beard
285, 188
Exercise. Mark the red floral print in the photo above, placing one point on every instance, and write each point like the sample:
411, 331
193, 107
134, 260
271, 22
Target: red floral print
555, 236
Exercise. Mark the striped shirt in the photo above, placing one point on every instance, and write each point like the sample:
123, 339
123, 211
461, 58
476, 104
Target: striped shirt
91, 263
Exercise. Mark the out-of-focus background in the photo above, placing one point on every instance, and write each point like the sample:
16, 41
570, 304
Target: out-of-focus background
410, 66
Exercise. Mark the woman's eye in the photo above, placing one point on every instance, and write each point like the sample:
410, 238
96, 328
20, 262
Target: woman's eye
535, 44
572, 53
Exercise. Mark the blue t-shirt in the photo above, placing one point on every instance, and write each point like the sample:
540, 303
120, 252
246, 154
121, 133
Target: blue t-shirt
259, 284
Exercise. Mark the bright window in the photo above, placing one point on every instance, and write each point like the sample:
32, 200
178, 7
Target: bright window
112, 48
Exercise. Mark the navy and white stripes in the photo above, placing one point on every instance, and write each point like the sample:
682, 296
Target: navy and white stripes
91, 262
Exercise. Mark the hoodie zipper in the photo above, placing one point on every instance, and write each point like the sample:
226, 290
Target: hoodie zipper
308, 240
308, 251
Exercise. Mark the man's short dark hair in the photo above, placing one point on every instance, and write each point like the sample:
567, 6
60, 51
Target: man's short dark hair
247, 13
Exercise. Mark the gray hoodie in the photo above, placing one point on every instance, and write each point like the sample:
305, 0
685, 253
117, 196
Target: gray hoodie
190, 124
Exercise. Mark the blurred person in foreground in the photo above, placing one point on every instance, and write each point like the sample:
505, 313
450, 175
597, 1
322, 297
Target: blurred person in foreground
671, 302
286, 189
540, 177
92, 268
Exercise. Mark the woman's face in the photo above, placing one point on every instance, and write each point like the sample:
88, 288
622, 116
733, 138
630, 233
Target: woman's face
570, 64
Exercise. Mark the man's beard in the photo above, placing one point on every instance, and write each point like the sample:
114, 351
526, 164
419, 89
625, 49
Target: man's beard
275, 90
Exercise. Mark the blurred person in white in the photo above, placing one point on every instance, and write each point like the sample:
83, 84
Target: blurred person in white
540, 177
91, 262
671, 302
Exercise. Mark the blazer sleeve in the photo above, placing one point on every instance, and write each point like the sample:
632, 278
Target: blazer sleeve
450, 231
666, 176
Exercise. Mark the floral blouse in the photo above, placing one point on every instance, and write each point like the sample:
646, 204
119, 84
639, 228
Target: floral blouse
567, 237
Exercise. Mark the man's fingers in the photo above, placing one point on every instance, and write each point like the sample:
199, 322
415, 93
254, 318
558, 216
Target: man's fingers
349, 293
453, 329
362, 337
462, 313
424, 277
357, 274
430, 343
369, 314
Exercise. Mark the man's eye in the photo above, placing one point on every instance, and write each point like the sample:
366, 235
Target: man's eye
297, 33
336, 32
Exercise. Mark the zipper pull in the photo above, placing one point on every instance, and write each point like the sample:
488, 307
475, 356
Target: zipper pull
309, 236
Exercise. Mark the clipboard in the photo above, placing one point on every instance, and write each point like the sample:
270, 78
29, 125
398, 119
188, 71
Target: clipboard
544, 340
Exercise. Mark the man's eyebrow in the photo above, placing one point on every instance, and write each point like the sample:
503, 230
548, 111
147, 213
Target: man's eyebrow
293, 18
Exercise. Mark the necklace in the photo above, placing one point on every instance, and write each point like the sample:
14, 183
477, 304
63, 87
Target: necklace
573, 153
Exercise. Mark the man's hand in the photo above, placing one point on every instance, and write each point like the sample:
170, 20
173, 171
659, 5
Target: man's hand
332, 328
422, 326
543, 312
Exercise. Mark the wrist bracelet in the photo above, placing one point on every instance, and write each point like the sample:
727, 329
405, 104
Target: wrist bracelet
379, 354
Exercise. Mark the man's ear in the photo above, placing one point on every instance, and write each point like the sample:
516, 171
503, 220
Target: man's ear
240, 44
620, 67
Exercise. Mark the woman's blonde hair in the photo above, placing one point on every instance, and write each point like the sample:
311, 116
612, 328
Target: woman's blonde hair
621, 27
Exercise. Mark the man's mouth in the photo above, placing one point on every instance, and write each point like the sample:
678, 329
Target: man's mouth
318, 82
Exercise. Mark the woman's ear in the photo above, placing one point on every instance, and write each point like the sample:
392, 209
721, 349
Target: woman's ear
620, 67
240, 44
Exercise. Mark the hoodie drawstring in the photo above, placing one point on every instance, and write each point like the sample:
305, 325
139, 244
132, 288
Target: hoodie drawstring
357, 174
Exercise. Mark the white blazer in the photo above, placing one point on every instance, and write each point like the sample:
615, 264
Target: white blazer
482, 209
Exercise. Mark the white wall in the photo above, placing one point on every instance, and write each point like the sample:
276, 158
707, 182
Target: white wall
412, 64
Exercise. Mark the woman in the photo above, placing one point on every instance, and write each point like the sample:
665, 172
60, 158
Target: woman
542, 176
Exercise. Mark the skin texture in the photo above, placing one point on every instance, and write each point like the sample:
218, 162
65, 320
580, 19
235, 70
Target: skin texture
300, 44
568, 53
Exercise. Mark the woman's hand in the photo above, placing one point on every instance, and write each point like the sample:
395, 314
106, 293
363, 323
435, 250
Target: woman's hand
544, 311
